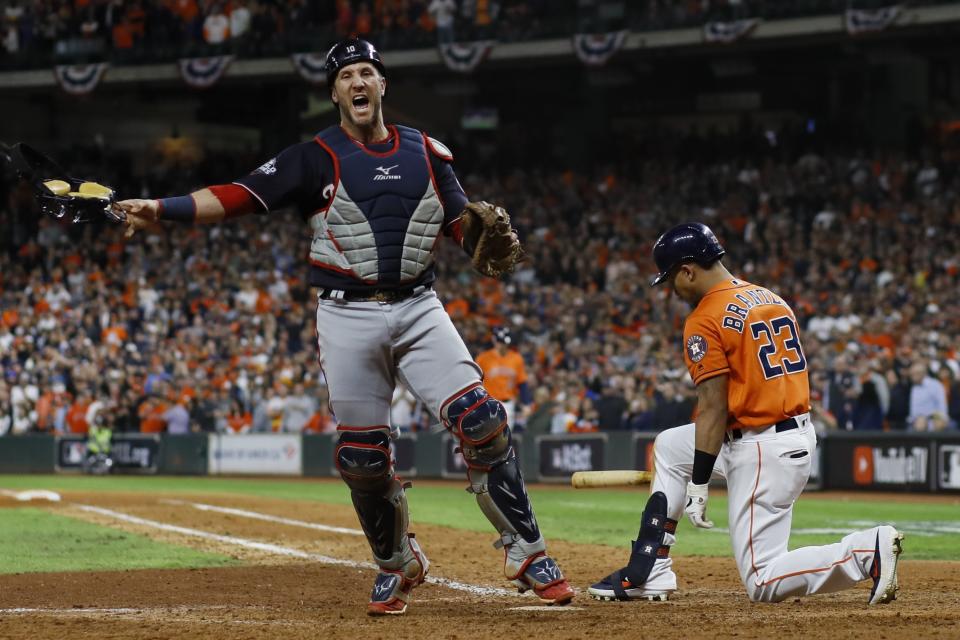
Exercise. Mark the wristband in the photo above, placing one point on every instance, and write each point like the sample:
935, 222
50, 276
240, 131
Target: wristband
178, 209
702, 466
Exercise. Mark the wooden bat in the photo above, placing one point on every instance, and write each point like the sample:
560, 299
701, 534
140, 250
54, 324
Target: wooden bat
620, 478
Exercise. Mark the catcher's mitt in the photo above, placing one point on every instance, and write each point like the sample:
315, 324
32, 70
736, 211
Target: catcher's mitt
489, 239
58, 194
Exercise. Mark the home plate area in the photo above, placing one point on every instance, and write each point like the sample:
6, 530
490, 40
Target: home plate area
305, 573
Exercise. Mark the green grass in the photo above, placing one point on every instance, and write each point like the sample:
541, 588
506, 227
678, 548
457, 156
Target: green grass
595, 516
38, 541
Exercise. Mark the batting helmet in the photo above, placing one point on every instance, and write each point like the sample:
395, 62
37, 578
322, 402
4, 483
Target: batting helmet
351, 51
687, 242
502, 335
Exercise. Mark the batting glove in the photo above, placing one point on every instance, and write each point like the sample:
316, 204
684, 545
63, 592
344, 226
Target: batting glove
696, 508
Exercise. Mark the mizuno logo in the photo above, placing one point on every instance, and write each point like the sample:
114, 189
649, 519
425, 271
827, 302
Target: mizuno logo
385, 173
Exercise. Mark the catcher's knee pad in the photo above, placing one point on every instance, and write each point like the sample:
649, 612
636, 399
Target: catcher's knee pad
479, 421
363, 459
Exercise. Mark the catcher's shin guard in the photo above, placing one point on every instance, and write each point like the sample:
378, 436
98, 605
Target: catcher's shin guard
392, 587
633, 581
364, 461
479, 421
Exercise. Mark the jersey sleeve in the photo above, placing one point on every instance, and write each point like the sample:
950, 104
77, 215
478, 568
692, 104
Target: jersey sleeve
448, 188
703, 350
294, 177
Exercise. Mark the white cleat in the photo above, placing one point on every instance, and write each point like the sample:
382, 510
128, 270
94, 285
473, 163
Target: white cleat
884, 569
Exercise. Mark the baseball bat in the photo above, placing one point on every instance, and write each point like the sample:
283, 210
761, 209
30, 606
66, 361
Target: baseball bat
620, 478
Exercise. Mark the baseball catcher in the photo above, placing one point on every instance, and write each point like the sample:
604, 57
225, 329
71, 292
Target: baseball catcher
58, 194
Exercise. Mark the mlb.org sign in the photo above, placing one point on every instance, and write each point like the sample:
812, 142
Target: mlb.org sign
561, 456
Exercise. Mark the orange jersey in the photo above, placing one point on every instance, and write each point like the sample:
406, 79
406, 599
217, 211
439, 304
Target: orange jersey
502, 375
751, 335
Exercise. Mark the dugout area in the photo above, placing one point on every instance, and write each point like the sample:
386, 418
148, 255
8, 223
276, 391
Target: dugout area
298, 569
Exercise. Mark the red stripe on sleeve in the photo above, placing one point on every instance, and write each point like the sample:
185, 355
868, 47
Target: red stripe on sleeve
236, 200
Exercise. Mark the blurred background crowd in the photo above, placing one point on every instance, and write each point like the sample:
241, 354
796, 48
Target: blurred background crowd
211, 328
36, 33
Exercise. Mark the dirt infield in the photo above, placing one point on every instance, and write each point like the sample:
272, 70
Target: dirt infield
278, 595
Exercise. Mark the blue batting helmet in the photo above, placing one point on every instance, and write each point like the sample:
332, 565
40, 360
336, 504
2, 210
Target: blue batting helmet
687, 242
351, 51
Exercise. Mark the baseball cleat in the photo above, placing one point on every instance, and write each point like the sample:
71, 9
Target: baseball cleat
884, 569
542, 574
605, 591
391, 589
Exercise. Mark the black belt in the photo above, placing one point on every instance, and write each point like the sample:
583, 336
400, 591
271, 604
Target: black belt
368, 295
783, 425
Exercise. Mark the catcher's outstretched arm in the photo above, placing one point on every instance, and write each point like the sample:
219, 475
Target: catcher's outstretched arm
206, 206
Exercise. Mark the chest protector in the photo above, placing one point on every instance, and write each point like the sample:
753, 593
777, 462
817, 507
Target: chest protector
384, 217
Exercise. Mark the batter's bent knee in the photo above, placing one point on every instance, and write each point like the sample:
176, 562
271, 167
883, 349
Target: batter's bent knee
363, 459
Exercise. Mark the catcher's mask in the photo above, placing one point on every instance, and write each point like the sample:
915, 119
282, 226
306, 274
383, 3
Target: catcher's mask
352, 51
58, 194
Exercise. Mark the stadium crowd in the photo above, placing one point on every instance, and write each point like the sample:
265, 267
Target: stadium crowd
210, 328
38, 32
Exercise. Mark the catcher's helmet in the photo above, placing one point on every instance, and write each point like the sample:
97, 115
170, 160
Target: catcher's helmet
351, 51
687, 242
502, 335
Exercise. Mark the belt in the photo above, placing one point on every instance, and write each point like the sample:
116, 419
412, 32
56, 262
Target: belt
783, 425
373, 294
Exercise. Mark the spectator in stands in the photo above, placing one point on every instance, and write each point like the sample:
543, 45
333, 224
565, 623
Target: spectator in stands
928, 400
321, 421
238, 420
240, 19
873, 401
443, 13
612, 406
6, 410
177, 416
403, 408
216, 26
297, 409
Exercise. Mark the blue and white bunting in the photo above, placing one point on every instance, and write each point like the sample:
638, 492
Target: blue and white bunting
80, 79
595, 49
866, 20
201, 73
465, 56
310, 66
727, 32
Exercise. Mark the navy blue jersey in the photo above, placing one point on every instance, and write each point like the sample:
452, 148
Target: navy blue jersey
384, 181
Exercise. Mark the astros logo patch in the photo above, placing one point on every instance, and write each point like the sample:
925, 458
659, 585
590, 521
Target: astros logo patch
696, 348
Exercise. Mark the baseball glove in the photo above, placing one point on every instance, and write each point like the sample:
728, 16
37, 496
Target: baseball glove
489, 239
58, 194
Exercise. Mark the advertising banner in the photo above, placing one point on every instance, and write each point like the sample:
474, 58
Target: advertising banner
948, 466
268, 454
561, 456
888, 464
131, 452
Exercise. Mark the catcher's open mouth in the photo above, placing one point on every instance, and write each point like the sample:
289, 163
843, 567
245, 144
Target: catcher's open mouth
361, 103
